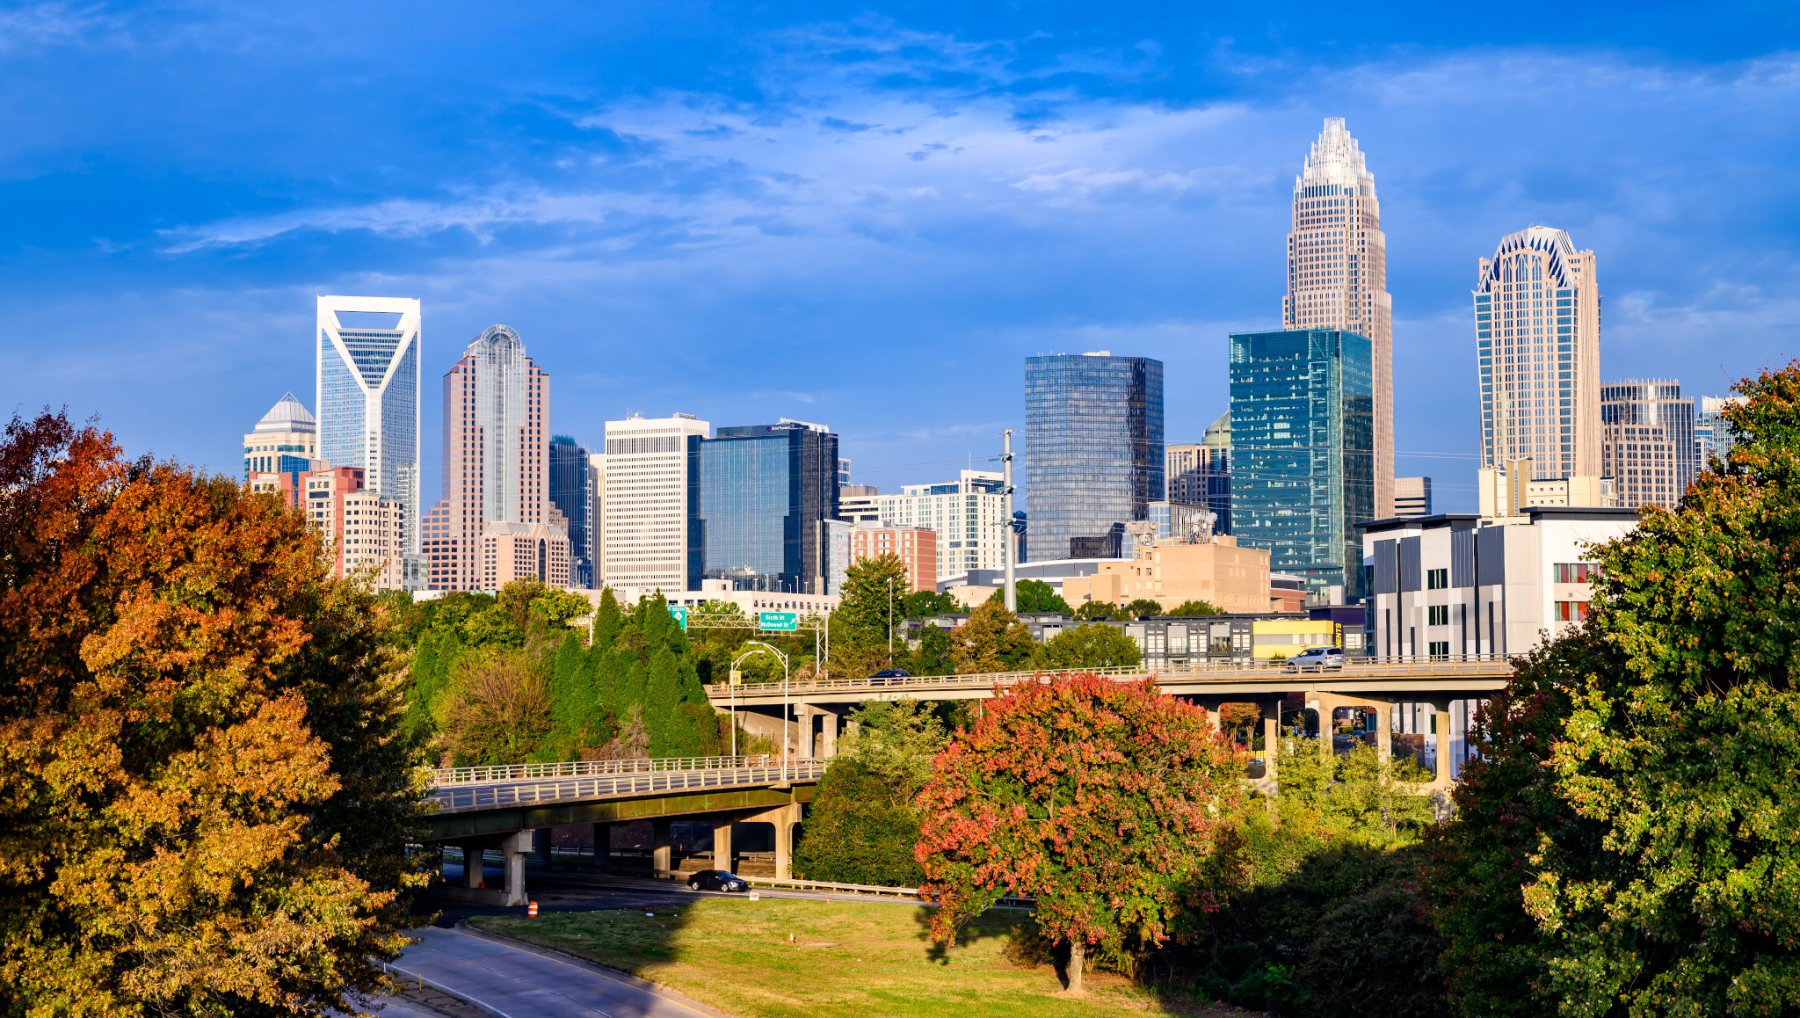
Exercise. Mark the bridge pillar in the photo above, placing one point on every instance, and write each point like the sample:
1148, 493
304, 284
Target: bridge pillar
1271, 747
472, 863
723, 856
661, 846
1440, 722
514, 848
1212, 719
1384, 731
783, 819
828, 736
803, 732
602, 844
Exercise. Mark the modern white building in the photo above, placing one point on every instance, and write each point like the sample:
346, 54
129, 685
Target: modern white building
1509, 490
286, 440
1337, 273
1537, 335
1712, 434
968, 515
367, 372
649, 505
1453, 585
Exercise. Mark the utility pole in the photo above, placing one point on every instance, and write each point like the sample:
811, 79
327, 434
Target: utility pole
1012, 538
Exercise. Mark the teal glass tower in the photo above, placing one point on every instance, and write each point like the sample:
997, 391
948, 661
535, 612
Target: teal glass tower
1302, 452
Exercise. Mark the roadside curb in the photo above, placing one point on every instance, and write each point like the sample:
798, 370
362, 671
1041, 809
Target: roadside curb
462, 926
414, 977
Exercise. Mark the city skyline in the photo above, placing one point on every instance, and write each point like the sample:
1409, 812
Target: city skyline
837, 190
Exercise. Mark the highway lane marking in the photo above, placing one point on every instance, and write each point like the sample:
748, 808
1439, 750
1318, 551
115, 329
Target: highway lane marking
587, 967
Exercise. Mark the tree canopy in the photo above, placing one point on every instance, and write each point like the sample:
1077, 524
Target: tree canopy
864, 822
1095, 645
1101, 800
992, 640
205, 796
1035, 597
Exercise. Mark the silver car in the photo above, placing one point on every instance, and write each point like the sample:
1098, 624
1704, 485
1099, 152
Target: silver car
1316, 659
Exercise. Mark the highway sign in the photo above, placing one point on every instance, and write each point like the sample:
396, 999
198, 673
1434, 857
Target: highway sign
778, 622
680, 613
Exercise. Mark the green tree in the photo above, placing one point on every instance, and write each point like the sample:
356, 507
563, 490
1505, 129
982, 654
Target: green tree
496, 709
930, 654
580, 717
1142, 608
1035, 597
1095, 645
1193, 609
926, 603
205, 795
875, 593
1032, 802
1097, 611
992, 640
864, 823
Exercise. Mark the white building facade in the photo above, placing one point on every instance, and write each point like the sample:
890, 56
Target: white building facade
649, 505
967, 514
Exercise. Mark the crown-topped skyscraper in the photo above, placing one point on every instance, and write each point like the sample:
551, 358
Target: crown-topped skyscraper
1337, 274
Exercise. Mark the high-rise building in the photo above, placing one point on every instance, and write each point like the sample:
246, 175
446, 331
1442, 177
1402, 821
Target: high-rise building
496, 473
915, 547
650, 506
1337, 273
1200, 473
1537, 334
968, 515
597, 515
572, 492
766, 491
1712, 433
1412, 496
285, 441
362, 530
1647, 443
1301, 427
368, 398
1094, 456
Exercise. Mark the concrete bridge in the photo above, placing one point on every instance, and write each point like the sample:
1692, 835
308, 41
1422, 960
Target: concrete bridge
512, 807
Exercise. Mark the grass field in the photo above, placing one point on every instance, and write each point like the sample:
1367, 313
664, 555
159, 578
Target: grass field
846, 958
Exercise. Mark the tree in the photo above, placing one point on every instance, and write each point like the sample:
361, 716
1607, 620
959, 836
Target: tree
1095, 645
1193, 609
1035, 597
875, 592
992, 640
496, 710
1097, 611
864, 822
931, 653
205, 797
1101, 800
1142, 608
927, 603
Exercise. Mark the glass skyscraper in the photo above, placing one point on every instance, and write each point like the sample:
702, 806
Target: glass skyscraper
1093, 451
766, 491
368, 397
1302, 462
1647, 442
572, 492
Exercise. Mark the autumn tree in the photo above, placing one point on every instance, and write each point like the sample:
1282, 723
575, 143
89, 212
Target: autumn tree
1100, 800
204, 794
864, 821
992, 640
1095, 645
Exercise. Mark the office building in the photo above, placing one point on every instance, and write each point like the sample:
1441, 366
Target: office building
1459, 585
916, 547
572, 492
597, 516
1337, 274
1094, 455
1537, 335
766, 491
650, 505
1509, 490
1647, 443
1412, 496
1200, 473
285, 441
496, 473
1712, 432
362, 531
1172, 572
968, 515
1301, 422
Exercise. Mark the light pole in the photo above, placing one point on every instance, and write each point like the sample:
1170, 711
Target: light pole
890, 600
756, 645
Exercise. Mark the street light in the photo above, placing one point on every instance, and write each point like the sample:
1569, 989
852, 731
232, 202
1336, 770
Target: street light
890, 600
755, 646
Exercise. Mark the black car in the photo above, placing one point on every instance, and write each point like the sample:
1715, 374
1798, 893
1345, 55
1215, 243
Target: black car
892, 673
717, 880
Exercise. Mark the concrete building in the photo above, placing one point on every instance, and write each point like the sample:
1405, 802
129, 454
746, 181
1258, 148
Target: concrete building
368, 377
968, 515
1647, 443
1300, 449
914, 546
1199, 473
1510, 490
1093, 451
1216, 571
1412, 496
1537, 335
1712, 433
572, 493
496, 473
766, 491
597, 515
1455, 585
363, 532
1337, 276
285, 441
977, 585
650, 505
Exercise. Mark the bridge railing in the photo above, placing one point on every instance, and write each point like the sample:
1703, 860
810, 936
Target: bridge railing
443, 776
532, 791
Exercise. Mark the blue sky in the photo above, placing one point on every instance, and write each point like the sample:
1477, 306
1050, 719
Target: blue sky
866, 217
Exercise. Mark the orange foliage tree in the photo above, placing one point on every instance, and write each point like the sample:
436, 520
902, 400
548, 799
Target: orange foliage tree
204, 800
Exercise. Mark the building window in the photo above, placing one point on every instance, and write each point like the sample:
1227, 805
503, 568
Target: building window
1438, 650
1437, 615
1571, 611
1576, 572
1437, 579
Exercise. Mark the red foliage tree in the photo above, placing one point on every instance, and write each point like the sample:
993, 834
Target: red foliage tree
1101, 800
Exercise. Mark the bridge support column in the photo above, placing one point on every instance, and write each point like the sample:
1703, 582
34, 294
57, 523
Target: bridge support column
513, 849
602, 844
662, 852
851, 728
803, 732
1271, 748
784, 819
1440, 723
723, 857
1384, 731
1212, 719
828, 735
472, 863
540, 847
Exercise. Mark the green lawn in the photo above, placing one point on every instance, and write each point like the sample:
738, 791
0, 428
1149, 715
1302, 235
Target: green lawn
847, 958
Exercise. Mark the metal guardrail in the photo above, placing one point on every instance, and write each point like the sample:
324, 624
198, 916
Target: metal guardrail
444, 776
1471, 666
454, 799
827, 887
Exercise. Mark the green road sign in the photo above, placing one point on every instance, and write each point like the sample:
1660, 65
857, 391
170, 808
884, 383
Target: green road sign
680, 613
778, 622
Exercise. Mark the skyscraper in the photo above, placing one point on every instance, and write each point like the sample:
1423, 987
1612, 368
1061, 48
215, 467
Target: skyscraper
1537, 335
1647, 443
1412, 496
572, 492
368, 398
650, 504
496, 513
1337, 273
285, 441
1200, 473
968, 515
1093, 451
766, 491
1712, 433
1302, 408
